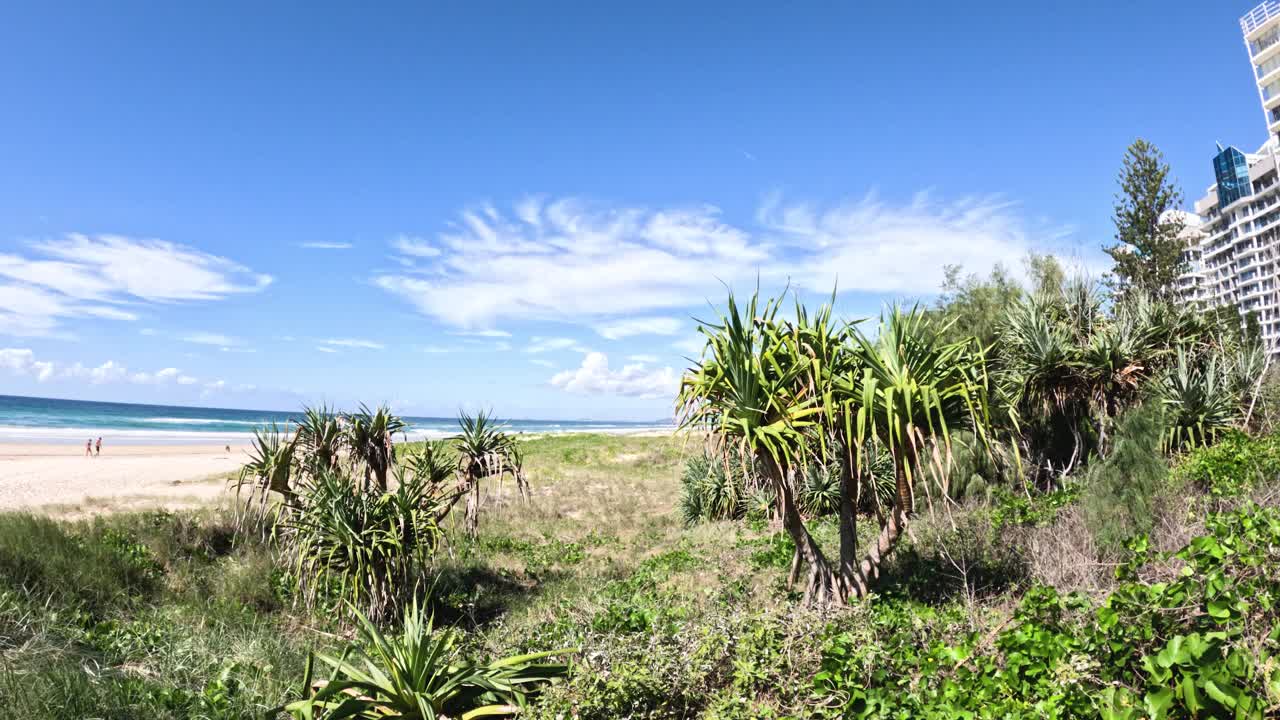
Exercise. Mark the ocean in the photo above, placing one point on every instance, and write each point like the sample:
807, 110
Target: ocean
30, 419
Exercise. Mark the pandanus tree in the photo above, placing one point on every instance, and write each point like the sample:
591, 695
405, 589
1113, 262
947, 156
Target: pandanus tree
321, 436
790, 392
485, 449
270, 465
909, 395
370, 438
756, 387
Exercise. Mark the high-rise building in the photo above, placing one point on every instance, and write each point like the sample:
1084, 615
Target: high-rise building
1261, 29
1233, 251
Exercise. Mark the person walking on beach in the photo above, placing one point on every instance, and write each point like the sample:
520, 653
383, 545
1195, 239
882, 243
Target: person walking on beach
98, 451
88, 448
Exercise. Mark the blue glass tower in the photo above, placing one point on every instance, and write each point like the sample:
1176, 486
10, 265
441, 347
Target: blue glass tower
1232, 171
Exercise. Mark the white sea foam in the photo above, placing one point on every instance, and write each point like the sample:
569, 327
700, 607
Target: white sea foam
203, 421
136, 436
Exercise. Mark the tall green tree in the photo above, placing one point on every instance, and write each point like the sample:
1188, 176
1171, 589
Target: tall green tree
1148, 249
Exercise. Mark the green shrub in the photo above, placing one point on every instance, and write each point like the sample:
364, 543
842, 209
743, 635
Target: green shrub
1203, 645
1013, 510
1232, 466
1120, 489
369, 548
717, 486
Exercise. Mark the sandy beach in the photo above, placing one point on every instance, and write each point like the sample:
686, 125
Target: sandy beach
58, 479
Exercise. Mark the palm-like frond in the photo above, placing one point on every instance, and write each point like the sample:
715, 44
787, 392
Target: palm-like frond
271, 463
320, 435
913, 392
370, 548
753, 382
370, 438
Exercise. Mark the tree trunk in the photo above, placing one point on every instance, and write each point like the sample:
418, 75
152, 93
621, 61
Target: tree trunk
868, 570
473, 508
380, 475
820, 585
848, 512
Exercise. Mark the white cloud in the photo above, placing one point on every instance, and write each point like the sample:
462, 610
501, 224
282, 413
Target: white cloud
83, 276
414, 247
106, 267
325, 245
619, 329
550, 344
594, 377
324, 349
158, 377
352, 343
872, 246
564, 260
543, 362
643, 358
483, 333
209, 338
22, 361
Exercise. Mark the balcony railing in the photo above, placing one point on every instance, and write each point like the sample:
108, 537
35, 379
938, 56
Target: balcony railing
1259, 15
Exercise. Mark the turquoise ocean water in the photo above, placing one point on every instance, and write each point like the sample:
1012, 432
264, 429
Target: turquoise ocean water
29, 419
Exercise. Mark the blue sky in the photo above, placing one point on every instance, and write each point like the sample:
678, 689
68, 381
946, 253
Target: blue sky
520, 205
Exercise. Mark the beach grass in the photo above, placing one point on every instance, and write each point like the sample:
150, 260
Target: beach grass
180, 615
159, 614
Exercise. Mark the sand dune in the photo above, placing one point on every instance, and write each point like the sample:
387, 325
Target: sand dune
60, 480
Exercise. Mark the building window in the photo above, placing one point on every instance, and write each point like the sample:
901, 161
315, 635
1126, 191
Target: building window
1232, 172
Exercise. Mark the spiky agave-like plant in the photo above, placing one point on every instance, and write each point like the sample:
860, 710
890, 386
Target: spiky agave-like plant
1199, 401
422, 675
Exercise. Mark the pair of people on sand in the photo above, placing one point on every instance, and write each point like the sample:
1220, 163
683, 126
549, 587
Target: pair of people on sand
90, 451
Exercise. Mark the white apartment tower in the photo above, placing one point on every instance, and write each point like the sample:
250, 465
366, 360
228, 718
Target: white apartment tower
1261, 29
1234, 249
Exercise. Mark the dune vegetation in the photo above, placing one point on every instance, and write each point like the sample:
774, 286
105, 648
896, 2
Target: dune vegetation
1059, 502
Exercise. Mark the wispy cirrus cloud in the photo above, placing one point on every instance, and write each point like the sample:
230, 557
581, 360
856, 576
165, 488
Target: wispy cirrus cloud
109, 276
415, 247
568, 260
210, 338
550, 344
354, 343
325, 245
626, 328
594, 377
